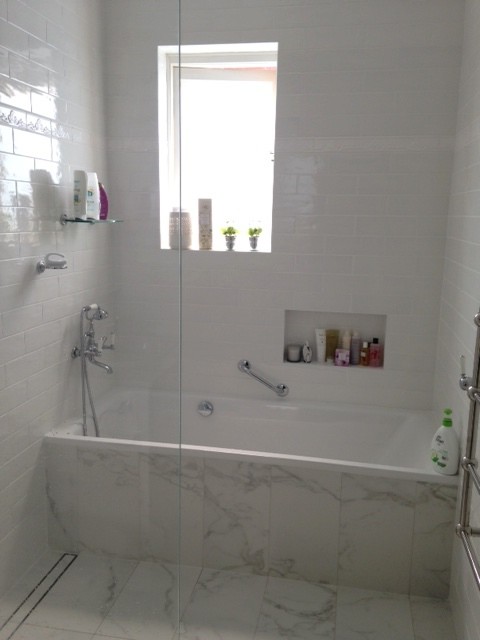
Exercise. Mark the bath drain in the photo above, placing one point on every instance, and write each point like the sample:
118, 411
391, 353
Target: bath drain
35, 596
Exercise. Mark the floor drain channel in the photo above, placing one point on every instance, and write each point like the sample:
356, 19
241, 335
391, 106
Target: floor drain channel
36, 595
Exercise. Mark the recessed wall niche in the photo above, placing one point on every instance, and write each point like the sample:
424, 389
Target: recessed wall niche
300, 326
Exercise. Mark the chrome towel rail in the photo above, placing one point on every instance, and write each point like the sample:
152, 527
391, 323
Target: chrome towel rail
280, 389
469, 463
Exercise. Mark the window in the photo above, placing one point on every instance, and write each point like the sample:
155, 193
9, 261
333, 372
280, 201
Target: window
225, 120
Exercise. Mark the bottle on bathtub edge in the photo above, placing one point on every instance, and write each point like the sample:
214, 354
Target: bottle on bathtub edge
445, 451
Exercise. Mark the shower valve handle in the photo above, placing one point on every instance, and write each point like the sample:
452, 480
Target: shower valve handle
465, 381
104, 344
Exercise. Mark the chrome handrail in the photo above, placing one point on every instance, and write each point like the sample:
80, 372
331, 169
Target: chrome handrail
471, 478
280, 389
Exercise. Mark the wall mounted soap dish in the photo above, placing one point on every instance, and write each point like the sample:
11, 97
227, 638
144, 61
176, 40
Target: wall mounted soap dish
52, 261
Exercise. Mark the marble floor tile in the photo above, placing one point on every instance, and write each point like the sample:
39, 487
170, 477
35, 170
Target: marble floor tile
147, 608
372, 615
83, 596
224, 606
99, 598
30, 632
431, 619
297, 611
11, 600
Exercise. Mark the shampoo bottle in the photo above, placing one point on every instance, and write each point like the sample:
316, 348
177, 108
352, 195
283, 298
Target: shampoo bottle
346, 340
103, 202
321, 340
93, 197
355, 348
445, 451
80, 194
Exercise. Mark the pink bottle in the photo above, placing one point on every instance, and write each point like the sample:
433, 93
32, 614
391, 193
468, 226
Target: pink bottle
375, 353
103, 202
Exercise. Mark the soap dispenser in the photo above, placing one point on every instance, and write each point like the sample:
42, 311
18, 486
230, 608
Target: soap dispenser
445, 451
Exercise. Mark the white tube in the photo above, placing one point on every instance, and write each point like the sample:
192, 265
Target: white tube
321, 341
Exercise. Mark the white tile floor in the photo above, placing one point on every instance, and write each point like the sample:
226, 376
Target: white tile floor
100, 598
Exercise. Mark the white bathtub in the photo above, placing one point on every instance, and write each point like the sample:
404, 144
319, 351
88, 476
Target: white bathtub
369, 440
327, 493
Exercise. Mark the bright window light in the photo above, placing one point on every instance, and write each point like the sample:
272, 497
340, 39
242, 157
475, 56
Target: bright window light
225, 119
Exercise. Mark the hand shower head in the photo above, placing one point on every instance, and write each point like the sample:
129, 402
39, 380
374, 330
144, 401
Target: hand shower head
96, 312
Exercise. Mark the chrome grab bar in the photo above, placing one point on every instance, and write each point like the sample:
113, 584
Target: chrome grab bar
280, 389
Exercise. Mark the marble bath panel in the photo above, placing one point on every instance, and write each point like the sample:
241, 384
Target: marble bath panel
236, 507
294, 522
109, 502
62, 490
376, 527
172, 508
304, 523
433, 539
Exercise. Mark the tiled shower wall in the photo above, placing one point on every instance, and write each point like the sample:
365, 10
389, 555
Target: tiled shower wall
365, 122
51, 122
460, 298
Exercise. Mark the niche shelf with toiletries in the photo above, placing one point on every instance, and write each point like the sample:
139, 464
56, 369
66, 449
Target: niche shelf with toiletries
354, 340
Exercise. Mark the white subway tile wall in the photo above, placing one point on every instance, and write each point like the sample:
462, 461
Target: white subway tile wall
460, 295
364, 145
365, 128
51, 121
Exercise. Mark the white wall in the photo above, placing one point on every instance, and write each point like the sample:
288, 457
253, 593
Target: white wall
51, 121
460, 293
365, 122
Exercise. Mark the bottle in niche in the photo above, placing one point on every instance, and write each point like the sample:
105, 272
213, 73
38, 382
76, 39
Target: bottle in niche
355, 344
321, 341
375, 354
346, 340
364, 355
307, 352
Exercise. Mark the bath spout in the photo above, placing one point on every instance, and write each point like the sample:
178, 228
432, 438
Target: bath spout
102, 365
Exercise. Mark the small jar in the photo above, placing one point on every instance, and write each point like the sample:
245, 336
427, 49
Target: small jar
180, 225
294, 352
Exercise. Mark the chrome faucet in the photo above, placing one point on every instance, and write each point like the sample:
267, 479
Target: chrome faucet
89, 348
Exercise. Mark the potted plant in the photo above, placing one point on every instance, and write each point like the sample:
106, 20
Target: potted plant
230, 234
253, 233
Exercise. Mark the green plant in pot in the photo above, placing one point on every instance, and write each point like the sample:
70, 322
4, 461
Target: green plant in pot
253, 234
230, 233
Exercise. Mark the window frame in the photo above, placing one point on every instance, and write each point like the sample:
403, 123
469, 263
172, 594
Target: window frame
173, 62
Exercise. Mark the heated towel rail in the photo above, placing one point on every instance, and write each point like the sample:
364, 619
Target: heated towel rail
471, 478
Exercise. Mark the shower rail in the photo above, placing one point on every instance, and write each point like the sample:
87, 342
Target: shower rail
463, 529
280, 389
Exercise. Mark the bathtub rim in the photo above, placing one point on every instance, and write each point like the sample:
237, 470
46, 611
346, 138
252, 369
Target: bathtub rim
258, 457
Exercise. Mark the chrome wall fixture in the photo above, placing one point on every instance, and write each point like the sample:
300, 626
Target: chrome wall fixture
52, 261
471, 478
89, 350
280, 389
